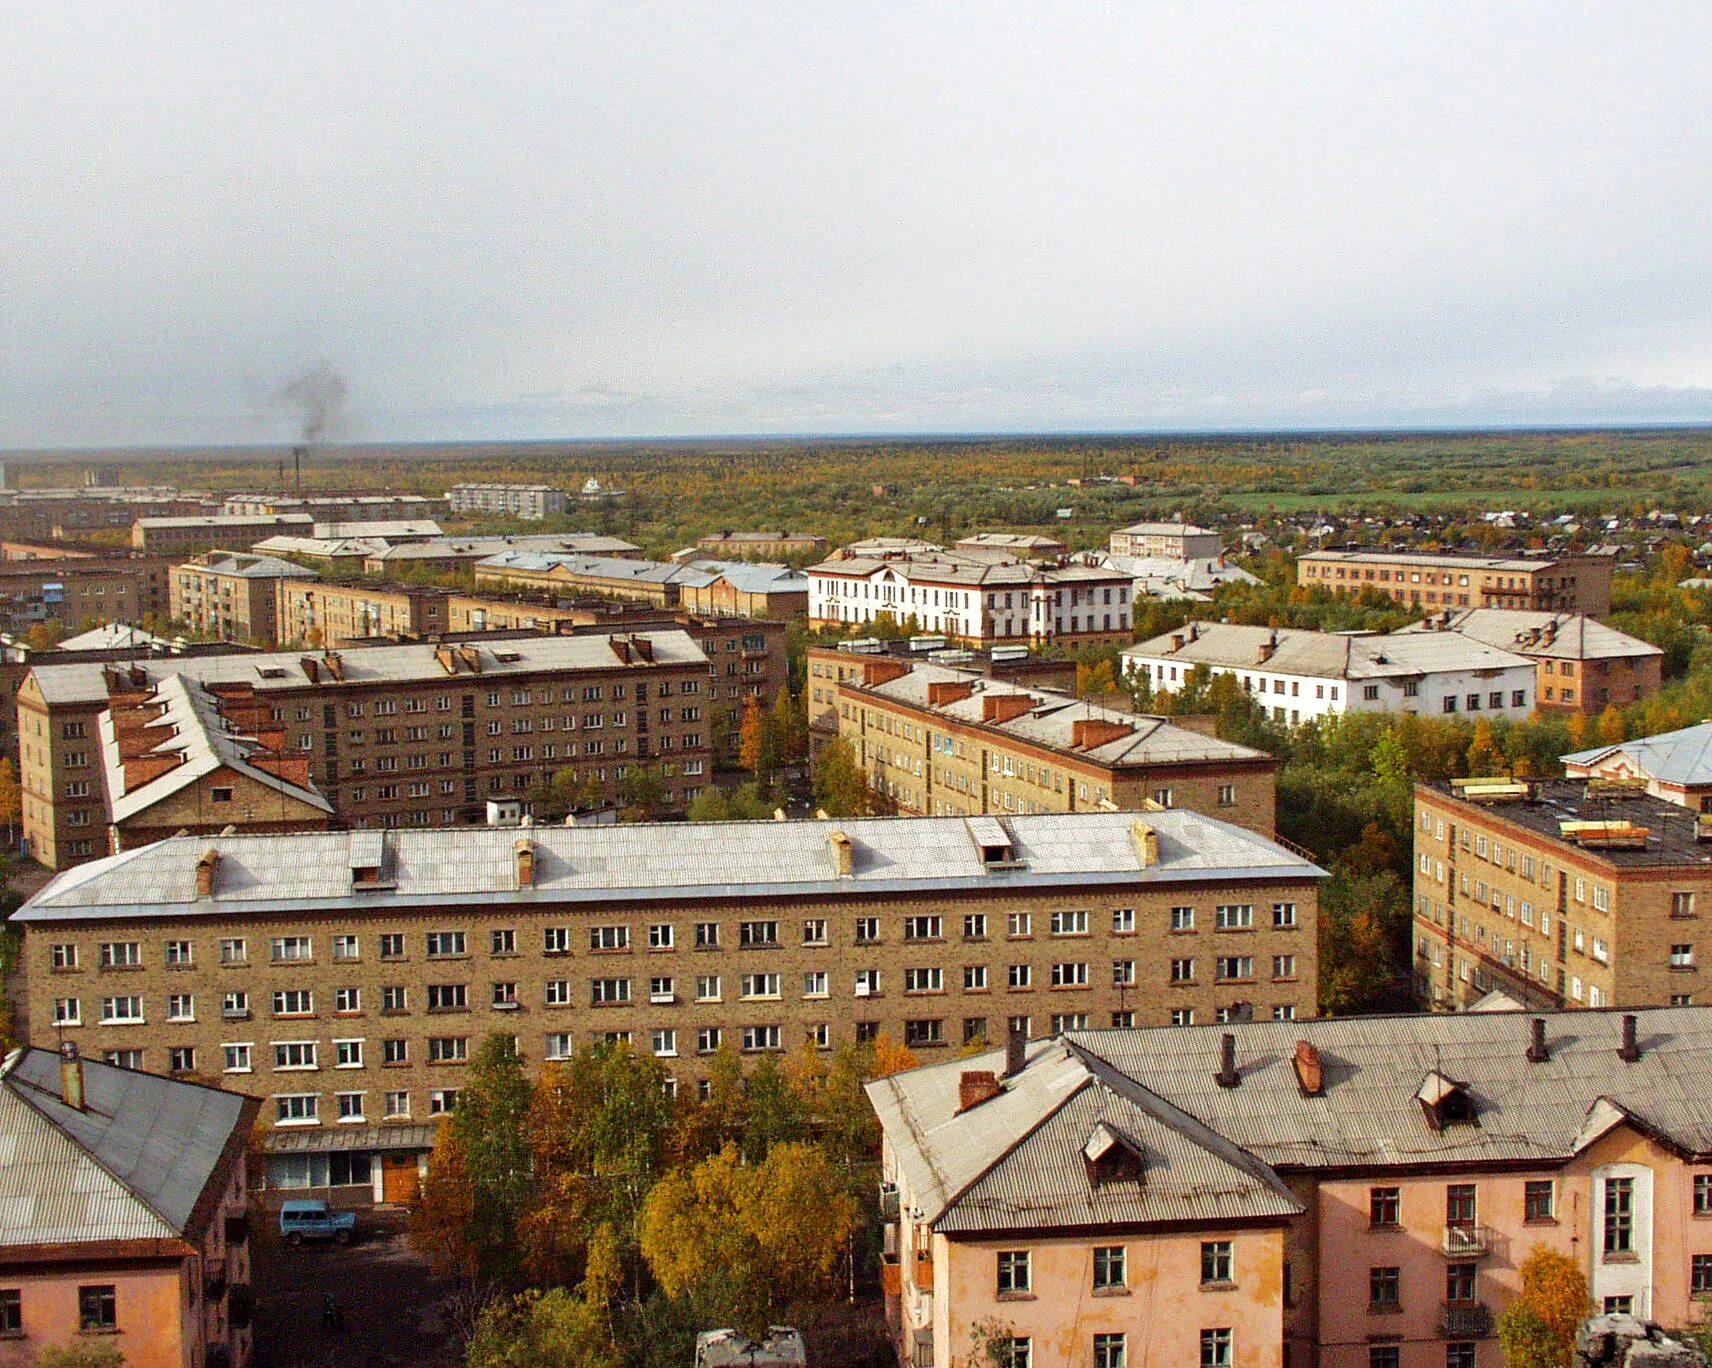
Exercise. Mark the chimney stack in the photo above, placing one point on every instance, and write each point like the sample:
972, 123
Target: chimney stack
205, 867
1630, 1050
975, 1086
1537, 1051
1016, 1048
1227, 1076
71, 1076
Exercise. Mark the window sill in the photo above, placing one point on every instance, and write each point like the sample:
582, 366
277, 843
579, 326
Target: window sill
1620, 1257
1016, 1296
1111, 1292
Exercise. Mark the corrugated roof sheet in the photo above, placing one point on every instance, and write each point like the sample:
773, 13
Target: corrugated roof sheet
131, 1165
1675, 757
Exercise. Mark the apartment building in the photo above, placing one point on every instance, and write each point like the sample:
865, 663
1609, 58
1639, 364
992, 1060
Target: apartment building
1434, 581
1558, 893
741, 588
190, 535
1012, 546
265, 960
418, 735
314, 612
232, 595
126, 1223
1583, 666
82, 589
760, 546
828, 666
974, 601
941, 741
1675, 766
1172, 541
1341, 1193
527, 502
1300, 676
335, 507
392, 531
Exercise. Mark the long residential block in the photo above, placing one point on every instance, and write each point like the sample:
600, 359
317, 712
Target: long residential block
1559, 893
1433, 581
1340, 1193
348, 977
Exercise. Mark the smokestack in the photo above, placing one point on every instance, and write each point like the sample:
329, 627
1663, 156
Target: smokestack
1537, 1051
1227, 1076
71, 1076
1016, 1048
1630, 1050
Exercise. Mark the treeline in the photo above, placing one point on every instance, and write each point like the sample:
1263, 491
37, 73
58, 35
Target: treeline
594, 1219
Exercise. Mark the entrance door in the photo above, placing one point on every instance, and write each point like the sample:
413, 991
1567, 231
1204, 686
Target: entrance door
399, 1183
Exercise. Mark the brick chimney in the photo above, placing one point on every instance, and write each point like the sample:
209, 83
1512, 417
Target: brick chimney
1088, 733
1004, 707
948, 691
1310, 1077
877, 671
205, 867
975, 1086
525, 852
1016, 1051
843, 854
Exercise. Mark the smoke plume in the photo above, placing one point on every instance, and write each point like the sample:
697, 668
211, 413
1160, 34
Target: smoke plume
318, 395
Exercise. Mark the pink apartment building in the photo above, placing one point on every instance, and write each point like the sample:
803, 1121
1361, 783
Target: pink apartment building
122, 1214
1351, 1193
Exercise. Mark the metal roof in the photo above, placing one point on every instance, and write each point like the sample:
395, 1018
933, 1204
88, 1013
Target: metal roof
1211, 1152
1325, 655
419, 1136
131, 1165
1675, 757
1559, 636
306, 871
241, 565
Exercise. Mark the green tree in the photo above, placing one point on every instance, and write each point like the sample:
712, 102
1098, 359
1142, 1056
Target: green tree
1484, 757
790, 728
643, 792
491, 1133
840, 787
555, 1329
79, 1356
745, 804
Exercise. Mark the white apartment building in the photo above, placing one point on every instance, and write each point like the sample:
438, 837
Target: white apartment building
531, 502
1166, 541
1300, 676
974, 602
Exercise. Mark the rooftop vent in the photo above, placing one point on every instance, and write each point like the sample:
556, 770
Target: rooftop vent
1538, 1051
1444, 1101
1630, 1050
1146, 844
992, 840
1112, 1156
1228, 1075
524, 851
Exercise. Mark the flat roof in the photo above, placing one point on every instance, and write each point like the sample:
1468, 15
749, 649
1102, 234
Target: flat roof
1671, 840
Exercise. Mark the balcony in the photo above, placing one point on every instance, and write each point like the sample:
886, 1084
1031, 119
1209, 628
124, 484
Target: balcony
1466, 1241
889, 1202
1465, 1320
923, 1272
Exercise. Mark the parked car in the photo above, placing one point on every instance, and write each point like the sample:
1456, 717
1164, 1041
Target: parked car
310, 1218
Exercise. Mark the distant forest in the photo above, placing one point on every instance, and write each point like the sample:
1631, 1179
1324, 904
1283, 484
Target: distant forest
844, 489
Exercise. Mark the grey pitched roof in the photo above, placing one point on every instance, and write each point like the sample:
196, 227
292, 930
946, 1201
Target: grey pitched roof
949, 567
120, 636
1329, 655
241, 565
1212, 1152
594, 865
132, 1165
1560, 636
1675, 757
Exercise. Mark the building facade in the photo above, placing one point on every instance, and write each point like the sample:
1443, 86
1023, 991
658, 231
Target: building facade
974, 602
233, 595
100, 1247
1549, 584
1558, 893
1583, 666
84, 589
410, 735
190, 536
737, 588
1166, 541
1299, 676
760, 546
1339, 1193
348, 977
313, 612
940, 741
526, 502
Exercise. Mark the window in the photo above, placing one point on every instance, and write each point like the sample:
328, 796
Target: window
1384, 1206
97, 1308
346, 948
348, 1000
1013, 1272
708, 1039
502, 942
1109, 1351
609, 938
290, 949
1069, 923
1459, 1355
442, 1101
397, 1104
391, 946
181, 1059
1216, 1348
752, 934
180, 1007
665, 1043
1016, 1352
1384, 1356
1123, 921
1460, 1281
1700, 1274
928, 980
1618, 1227
300, 1109
758, 986
347, 1054
179, 954
1216, 1261
923, 928
707, 935
448, 997
813, 931
1384, 1287
121, 1010
1234, 917
1283, 914
1283, 966
67, 1012
867, 930
1703, 1194
1182, 971
448, 1049
1109, 1267
120, 954
1682, 957
975, 926
660, 936
1233, 968
65, 957
395, 998
609, 990
445, 943
558, 1047
1460, 1208
294, 1054
349, 1105
1018, 924
1539, 1200
759, 1038
1021, 976
1182, 919
11, 1312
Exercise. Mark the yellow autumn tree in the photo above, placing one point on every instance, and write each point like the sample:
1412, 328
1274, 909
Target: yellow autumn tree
1538, 1329
1610, 728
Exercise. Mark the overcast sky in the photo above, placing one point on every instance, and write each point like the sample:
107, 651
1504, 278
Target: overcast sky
573, 220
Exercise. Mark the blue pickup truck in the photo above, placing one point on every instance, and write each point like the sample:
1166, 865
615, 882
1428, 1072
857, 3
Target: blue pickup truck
311, 1219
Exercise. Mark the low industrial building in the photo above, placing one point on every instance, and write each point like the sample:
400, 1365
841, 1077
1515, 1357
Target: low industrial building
1434, 581
1341, 1193
1299, 676
1583, 665
1558, 893
942, 741
347, 978
123, 1215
